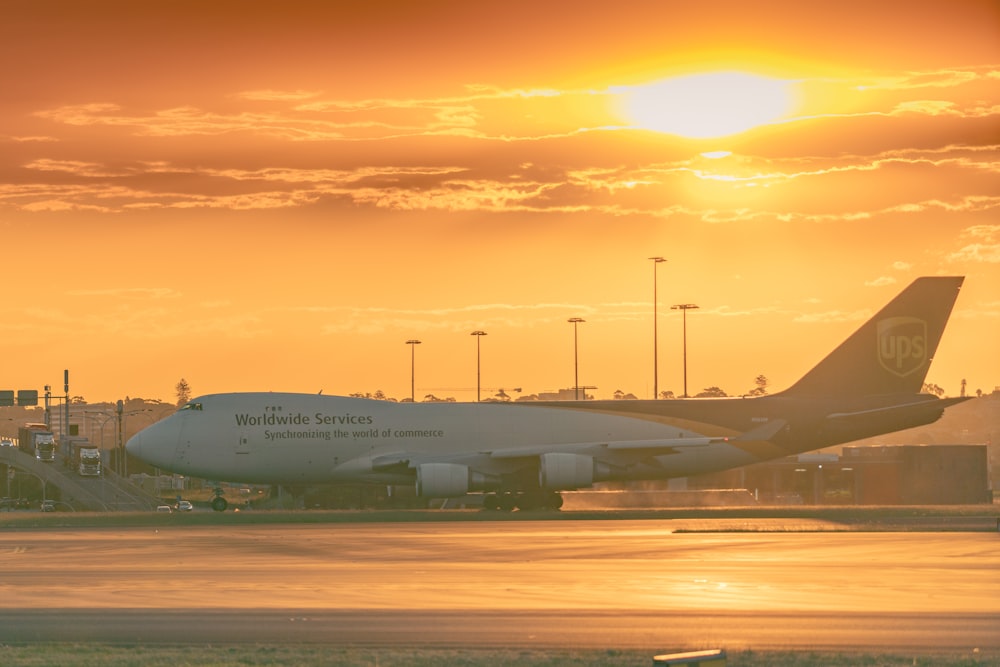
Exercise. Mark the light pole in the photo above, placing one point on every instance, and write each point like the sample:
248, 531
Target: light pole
95, 414
478, 335
656, 365
413, 344
684, 308
119, 416
124, 431
576, 357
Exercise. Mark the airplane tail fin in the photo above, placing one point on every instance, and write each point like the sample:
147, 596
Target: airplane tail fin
891, 352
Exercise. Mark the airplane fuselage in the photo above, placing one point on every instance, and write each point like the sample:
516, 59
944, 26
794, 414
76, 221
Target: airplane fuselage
306, 438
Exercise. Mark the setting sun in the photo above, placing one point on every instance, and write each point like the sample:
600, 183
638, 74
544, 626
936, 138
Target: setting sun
704, 106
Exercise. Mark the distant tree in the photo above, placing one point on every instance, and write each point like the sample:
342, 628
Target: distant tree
711, 392
667, 395
379, 395
979, 393
933, 389
761, 388
183, 392
431, 398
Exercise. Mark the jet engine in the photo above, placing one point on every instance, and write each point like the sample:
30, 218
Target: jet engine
562, 471
446, 480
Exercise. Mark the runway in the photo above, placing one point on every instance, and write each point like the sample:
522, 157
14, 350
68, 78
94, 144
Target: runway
588, 584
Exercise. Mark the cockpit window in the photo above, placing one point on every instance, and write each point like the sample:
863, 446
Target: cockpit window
192, 406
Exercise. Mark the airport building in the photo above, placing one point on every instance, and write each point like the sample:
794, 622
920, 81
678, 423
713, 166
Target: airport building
879, 475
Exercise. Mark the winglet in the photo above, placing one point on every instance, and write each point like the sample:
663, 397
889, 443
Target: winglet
891, 352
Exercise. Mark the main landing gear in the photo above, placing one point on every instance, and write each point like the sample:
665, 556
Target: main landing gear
524, 501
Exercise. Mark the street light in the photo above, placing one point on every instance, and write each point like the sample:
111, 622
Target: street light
124, 431
94, 415
576, 358
119, 416
684, 308
412, 343
656, 365
478, 335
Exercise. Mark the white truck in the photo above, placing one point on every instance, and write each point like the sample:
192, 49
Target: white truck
85, 457
37, 440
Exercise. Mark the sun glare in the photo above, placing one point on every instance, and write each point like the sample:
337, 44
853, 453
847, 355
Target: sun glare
705, 106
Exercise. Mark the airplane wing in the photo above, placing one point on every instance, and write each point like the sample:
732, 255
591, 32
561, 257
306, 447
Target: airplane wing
646, 447
612, 451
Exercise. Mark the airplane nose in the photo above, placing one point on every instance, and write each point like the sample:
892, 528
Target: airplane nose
154, 445
134, 445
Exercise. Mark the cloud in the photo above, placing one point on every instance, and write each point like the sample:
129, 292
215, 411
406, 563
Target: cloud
882, 281
986, 249
985, 232
980, 253
277, 95
33, 139
190, 121
75, 167
61, 206
241, 202
485, 112
561, 166
617, 191
944, 78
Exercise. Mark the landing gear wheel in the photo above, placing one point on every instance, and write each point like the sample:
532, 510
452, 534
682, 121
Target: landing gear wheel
539, 500
554, 501
219, 504
527, 502
507, 502
491, 502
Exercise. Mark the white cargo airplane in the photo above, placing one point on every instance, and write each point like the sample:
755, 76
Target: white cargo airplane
522, 454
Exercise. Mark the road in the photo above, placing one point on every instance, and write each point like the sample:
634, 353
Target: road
588, 584
106, 492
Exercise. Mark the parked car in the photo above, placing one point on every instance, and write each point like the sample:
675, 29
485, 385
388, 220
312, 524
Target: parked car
164, 508
184, 506
48, 506
6, 442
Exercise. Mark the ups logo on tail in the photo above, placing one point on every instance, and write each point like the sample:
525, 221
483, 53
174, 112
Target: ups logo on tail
902, 345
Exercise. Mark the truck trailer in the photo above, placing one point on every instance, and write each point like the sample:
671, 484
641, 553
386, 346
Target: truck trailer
38, 441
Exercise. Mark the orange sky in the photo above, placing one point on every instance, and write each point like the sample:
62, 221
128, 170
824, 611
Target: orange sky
276, 196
